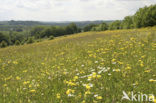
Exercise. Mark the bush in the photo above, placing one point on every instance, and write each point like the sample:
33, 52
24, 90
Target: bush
30, 40
17, 42
3, 44
51, 37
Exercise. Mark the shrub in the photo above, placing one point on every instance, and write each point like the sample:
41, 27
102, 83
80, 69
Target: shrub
51, 37
17, 42
30, 40
3, 44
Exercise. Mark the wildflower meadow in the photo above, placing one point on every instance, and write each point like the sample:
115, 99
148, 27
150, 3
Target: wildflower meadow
91, 67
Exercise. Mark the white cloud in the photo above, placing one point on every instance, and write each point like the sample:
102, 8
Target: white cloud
69, 10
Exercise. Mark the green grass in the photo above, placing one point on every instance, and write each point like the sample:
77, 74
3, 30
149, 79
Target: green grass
92, 67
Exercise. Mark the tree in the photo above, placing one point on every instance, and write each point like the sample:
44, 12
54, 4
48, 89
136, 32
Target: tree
17, 42
30, 40
51, 37
3, 44
127, 23
145, 17
115, 25
71, 29
36, 31
88, 27
3, 37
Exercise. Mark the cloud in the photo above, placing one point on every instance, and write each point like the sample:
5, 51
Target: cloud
69, 10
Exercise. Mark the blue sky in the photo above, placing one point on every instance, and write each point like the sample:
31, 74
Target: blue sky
69, 10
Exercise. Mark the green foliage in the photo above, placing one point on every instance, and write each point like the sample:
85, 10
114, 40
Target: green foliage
4, 37
3, 44
36, 31
100, 27
145, 17
88, 27
115, 25
30, 40
17, 42
127, 23
51, 37
71, 29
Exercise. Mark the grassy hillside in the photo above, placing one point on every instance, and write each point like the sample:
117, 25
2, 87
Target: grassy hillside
92, 67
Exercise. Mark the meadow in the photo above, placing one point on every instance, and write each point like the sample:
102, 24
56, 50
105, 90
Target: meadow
91, 67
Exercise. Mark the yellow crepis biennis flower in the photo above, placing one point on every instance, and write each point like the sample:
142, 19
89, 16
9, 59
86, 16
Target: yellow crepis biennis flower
88, 86
71, 83
18, 78
43, 63
70, 91
152, 80
15, 62
5, 85
99, 97
83, 101
94, 75
154, 100
89, 77
24, 71
98, 76
58, 96
26, 82
113, 60
128, 68
75, 78
87, 92
147, 71
33, 91
116, 70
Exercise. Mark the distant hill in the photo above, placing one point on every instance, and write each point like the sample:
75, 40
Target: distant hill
33, 23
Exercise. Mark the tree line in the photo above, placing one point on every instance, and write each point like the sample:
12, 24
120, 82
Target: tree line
144, 17
35, 34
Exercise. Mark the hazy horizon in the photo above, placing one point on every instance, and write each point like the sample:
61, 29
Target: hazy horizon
71, 10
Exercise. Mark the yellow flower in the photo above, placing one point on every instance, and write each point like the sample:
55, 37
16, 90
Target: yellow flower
88, 86
99, 97
98, 76
70, 91
58, 96
33, 91
15, 62
26, 82
83, 101
116, 70
152, 80
30, 86
94, 75
147, 71
24, 71
43, 63
113, 60
75, 78
87, 92
5, 85
142, 65
89, 77
128, 67
154, 101
18, 78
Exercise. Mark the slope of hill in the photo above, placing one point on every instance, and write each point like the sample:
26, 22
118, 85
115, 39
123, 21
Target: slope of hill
92, 67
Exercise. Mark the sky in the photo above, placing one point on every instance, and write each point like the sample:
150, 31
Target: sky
69, 10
